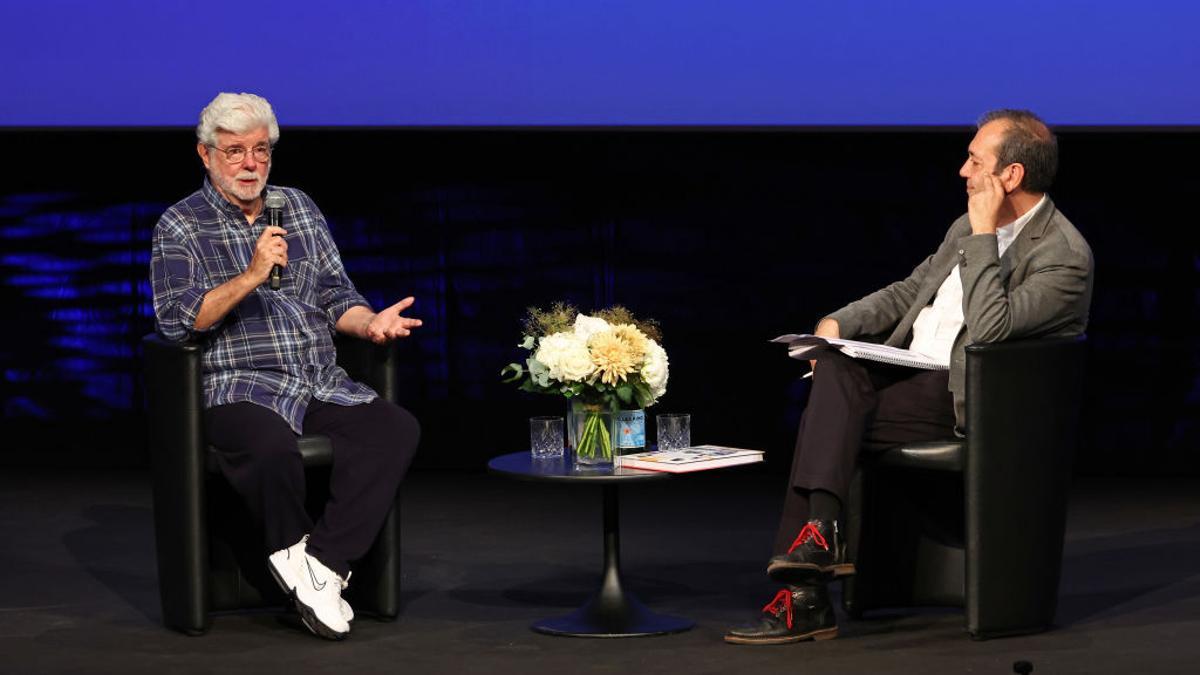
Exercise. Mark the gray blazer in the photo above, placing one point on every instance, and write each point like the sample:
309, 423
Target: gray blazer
1041, 286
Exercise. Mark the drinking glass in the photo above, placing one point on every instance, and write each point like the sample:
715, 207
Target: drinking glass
674, 431
546, 437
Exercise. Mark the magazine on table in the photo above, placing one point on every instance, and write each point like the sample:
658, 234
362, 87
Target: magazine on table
694, 458
805, 347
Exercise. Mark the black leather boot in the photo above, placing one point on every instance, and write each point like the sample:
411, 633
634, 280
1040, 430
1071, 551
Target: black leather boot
817, 554
796, 614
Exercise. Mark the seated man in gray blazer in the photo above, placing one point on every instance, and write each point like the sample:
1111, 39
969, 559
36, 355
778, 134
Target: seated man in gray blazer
1013, 266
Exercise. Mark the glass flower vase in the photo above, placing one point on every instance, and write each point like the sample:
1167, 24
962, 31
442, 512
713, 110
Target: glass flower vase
591, 432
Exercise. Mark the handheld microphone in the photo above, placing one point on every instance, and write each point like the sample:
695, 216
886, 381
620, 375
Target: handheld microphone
274, 204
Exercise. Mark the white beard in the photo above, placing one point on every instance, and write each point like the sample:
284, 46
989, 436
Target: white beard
232, 188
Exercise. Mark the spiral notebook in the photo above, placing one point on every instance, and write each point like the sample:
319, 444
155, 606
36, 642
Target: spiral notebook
806, 347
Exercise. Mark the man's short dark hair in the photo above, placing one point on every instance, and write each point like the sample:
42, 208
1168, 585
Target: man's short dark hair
1029, 142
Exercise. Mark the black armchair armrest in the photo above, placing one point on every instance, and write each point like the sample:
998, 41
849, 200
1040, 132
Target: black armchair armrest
373, 365
174, 404
1023, 400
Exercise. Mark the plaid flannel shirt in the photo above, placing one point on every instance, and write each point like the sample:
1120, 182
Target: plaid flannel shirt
275, 348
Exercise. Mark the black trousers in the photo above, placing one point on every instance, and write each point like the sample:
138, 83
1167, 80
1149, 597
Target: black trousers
859, 406
373, 445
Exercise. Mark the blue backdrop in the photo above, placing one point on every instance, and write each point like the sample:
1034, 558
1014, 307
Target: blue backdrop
594, 62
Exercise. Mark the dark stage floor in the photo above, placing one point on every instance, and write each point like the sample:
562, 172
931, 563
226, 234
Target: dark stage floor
485, 556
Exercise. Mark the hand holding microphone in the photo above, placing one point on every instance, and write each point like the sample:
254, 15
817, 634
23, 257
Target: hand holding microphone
274, 204
270, 251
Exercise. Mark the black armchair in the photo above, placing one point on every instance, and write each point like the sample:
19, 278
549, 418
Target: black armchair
210, 554
979, 522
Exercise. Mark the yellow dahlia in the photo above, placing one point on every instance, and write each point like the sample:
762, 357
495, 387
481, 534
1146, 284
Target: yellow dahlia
636, 339
614, 355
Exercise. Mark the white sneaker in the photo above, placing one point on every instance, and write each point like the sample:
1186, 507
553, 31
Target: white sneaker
288, 580
315, 589
347, 610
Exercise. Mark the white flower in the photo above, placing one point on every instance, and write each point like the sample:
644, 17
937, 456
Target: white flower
654, 372
587, 326
565, 356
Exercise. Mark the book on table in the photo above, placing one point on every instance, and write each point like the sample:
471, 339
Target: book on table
694, 458
805, 347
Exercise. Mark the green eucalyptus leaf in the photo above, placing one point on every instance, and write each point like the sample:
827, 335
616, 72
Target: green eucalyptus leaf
514, 368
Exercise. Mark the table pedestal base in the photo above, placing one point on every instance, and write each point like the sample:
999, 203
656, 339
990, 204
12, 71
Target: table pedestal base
601, 617
612, 612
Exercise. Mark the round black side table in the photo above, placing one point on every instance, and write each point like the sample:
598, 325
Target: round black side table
612, 611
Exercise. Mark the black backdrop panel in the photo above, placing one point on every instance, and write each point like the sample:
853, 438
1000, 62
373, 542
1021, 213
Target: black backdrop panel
727, 237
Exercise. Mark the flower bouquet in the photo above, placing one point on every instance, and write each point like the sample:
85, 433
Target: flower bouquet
600, 363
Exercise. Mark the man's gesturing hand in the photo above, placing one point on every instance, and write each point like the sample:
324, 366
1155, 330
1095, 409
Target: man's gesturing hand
388, 325
269, 250
984, 203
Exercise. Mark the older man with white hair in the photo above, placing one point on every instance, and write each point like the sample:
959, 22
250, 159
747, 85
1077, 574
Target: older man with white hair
269, 362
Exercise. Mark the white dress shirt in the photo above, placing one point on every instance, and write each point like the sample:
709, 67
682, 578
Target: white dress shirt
938, 324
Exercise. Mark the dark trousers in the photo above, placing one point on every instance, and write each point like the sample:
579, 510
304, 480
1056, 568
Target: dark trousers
373, 445
855, 406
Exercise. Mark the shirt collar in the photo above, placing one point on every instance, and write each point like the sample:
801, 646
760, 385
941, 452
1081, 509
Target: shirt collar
1005, 234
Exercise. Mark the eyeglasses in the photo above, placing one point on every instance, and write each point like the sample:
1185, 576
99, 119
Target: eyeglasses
237, 154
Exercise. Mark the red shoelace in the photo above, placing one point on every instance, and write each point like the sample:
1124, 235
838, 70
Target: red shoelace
783, 597
809, 531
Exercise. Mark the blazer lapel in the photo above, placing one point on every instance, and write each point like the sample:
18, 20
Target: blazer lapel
1034, 230
943, 264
